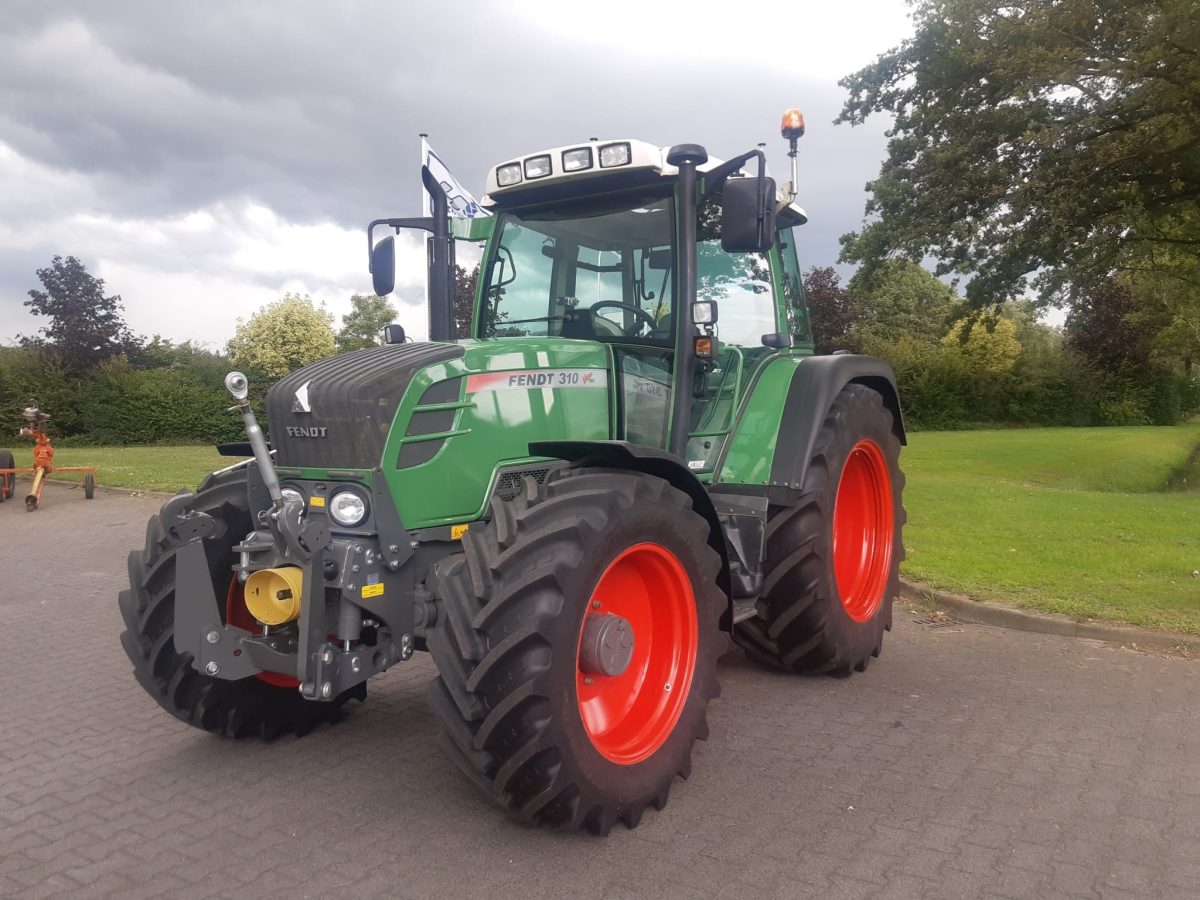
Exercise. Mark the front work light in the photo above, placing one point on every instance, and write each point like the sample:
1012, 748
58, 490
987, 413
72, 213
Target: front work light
348, 508
614, 155
508, 175
704, 312
537, 166
577, 160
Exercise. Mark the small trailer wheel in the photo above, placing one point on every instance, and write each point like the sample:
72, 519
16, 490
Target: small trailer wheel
89, 486
8, 483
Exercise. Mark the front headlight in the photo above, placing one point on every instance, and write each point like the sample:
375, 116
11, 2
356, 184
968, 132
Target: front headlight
348, 508
290, 493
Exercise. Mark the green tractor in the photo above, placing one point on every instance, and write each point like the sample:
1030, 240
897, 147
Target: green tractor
633, 455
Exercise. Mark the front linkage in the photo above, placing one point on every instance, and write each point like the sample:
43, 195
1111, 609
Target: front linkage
292, 568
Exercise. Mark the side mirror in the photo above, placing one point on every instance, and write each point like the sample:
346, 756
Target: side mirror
393, 334
383, 266
748, 215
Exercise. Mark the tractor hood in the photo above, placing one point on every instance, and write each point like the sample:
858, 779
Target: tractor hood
336, 413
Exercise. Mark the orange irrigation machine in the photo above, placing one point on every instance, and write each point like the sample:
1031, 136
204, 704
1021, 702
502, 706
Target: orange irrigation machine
43, 463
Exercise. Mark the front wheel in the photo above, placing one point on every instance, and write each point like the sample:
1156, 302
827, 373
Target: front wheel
576, 647
833, 557
263, 705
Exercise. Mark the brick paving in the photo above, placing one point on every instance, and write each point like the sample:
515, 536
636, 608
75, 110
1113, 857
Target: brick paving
968, 761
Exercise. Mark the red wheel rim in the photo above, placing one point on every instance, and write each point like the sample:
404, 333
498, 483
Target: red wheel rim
629, 716
237, 615
863, 530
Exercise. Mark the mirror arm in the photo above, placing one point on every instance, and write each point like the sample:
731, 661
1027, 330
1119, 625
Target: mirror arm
714, 178
424, 223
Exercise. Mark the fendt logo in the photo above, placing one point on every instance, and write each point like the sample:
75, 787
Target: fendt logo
300, 404
307, 431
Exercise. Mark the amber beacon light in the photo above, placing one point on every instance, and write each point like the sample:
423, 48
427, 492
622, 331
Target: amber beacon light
792, 128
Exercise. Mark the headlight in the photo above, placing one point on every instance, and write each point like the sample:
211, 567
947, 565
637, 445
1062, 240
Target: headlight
614, 155
508, 175
290, 493
537, 166
348, 508
575, 160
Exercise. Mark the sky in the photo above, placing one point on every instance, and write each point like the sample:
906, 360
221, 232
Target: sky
205, 158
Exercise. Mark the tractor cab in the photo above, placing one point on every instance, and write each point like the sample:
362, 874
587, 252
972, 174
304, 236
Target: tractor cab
587, 242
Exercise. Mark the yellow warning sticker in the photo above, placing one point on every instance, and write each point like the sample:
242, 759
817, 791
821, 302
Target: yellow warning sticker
316, 501
372, 590
457, 531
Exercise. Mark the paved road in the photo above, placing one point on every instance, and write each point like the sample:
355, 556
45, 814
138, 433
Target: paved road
967, 762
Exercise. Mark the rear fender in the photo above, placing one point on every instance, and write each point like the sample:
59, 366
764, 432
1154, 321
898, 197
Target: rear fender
814, 384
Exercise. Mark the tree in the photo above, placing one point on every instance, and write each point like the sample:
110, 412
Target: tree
1098, 328
362, 327
988, 344
283, 336
1052, 140
833, 312
86, 327
900, 299
464, 298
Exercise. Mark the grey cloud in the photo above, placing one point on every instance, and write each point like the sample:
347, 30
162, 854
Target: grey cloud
313, 109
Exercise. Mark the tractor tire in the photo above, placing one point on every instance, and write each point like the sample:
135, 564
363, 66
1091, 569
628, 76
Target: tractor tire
89, 486
8, 483
833, 558
258, 706
543, 732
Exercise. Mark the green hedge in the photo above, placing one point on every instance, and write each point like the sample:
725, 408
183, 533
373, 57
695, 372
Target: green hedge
1047, 386
182, 401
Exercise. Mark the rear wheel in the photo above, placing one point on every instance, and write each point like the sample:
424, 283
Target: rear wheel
255, 706
576, 648
89, 486
833, 558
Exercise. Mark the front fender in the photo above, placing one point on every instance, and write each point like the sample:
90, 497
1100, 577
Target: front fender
652, 461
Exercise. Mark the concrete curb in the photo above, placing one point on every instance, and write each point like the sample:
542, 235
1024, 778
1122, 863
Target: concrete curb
980, 613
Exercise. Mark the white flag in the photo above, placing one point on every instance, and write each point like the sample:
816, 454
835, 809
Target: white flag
461, 203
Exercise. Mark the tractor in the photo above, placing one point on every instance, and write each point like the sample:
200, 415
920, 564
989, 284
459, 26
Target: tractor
632, 457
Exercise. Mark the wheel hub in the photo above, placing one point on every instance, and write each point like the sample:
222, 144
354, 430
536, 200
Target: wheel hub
606, 646
638, 645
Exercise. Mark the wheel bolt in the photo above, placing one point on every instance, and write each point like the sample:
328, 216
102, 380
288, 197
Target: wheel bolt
595, 604
587, 680
212, 668
667, 686
213, 636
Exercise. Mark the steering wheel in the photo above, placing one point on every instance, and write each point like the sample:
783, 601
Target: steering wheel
643, 317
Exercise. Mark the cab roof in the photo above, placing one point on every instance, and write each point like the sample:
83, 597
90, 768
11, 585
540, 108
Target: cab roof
589, 161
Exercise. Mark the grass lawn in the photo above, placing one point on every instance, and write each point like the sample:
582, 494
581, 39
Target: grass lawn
1067, 520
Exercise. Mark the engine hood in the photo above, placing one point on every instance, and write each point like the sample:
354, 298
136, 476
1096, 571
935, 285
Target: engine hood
337, 412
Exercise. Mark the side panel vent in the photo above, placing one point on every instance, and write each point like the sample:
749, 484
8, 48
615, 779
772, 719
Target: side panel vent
508, 484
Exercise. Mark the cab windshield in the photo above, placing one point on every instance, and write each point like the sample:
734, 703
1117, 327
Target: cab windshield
599, 272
